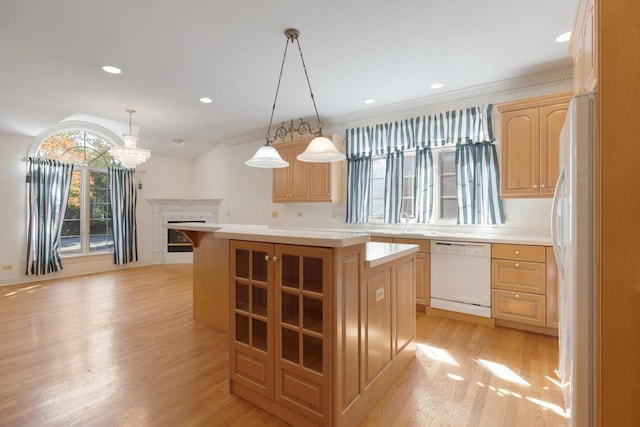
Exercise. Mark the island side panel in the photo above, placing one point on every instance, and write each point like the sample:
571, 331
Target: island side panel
349, 264
211, 281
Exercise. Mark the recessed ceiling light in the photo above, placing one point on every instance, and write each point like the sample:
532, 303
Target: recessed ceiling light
436, 85
178, 141
564, 37
111, 69
369, 101
206, 100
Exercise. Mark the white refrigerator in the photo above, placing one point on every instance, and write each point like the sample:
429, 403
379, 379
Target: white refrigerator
574, 233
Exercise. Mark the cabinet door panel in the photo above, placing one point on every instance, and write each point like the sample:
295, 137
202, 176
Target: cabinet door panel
320, 182
377, 323
299, 182
520, 152
519, 307
282, 179
551, 121
423, 278
519, 276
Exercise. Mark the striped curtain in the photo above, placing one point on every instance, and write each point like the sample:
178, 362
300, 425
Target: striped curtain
358, 192
488, 204
478, 177
124, 197
358, 149
393, 187
424, 190
48, 194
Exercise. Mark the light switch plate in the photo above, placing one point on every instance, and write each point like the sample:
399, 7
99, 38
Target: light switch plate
379, 294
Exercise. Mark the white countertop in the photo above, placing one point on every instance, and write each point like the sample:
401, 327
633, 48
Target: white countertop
380, 253
262, 233
340, 237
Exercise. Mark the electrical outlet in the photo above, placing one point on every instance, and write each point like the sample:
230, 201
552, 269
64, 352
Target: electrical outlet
6, 267
274, 214
379, 294
338, 214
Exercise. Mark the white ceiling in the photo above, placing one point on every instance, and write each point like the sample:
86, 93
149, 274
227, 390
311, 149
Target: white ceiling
174, 52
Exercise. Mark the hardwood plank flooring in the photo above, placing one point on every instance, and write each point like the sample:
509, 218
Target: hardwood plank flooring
121, 349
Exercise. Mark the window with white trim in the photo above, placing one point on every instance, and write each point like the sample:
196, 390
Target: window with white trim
87, 225
445, 198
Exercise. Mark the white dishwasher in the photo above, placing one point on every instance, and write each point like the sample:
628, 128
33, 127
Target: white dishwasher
461, 277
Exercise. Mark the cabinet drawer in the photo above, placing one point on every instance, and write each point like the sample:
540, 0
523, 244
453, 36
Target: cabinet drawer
519, 276
519, 307
382, 239
518, 252
425, 245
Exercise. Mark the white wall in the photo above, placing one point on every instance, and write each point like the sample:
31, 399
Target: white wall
162, 177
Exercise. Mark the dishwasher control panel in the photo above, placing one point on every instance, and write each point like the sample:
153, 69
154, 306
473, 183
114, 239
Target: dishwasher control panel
461, 248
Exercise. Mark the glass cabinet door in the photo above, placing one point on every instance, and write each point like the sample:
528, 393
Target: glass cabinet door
302, 279
250, 295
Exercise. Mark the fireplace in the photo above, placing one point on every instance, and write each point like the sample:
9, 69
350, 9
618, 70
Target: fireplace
169, 245
177, 241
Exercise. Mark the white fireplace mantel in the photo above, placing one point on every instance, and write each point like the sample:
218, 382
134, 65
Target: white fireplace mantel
168, 210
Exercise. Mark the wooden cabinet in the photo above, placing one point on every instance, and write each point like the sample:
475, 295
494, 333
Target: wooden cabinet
584, 47
316, 338
523, 286
423, 269
423, 266
304, 181
279, 344
530, 141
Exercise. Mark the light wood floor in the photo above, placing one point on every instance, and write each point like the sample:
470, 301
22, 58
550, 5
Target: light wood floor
121, 349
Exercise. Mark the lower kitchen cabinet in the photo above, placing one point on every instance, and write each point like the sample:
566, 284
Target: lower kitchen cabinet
423, 266
523, 286
316, 337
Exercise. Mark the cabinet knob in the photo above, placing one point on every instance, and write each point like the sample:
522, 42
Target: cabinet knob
517, 252
517, 295
266, 257
541, 185
275, 259
517, 264
535, 185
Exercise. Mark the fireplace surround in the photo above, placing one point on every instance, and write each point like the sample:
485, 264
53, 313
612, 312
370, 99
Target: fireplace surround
167, 211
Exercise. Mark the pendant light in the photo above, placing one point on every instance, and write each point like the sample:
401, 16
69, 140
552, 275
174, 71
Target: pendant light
130, 155
319, 150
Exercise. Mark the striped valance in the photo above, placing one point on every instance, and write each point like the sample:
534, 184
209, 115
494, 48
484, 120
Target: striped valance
462, 126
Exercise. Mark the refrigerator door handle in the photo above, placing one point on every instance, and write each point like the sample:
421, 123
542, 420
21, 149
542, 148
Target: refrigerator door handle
556, 222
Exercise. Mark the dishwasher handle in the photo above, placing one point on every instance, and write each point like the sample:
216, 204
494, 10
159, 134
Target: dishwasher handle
461, 248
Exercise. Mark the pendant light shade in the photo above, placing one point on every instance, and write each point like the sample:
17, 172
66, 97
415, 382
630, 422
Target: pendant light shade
129, 154
266, 157
321, 150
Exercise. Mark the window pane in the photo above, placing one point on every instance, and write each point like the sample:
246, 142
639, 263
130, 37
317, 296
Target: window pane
70, 237
448, 162
100, 231
378, 167
449, 208
377, 208
448, 185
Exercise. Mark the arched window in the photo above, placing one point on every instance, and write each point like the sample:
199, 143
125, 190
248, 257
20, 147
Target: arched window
87, 227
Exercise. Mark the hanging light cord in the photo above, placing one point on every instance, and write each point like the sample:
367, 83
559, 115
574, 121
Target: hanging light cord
275, 99
313, 99
292, 35
130, 114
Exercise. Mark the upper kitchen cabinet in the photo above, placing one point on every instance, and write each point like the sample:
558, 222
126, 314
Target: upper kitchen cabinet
583, 47
307, 182
530, 140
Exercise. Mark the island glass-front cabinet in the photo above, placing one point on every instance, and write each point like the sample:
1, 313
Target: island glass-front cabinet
315, 336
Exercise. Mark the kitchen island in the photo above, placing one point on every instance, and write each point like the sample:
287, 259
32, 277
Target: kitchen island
320, 323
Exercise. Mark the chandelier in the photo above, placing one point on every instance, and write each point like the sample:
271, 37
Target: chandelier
319, 150
129, 155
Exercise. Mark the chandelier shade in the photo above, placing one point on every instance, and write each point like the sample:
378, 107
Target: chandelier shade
129, 154
267, 157
320, 150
